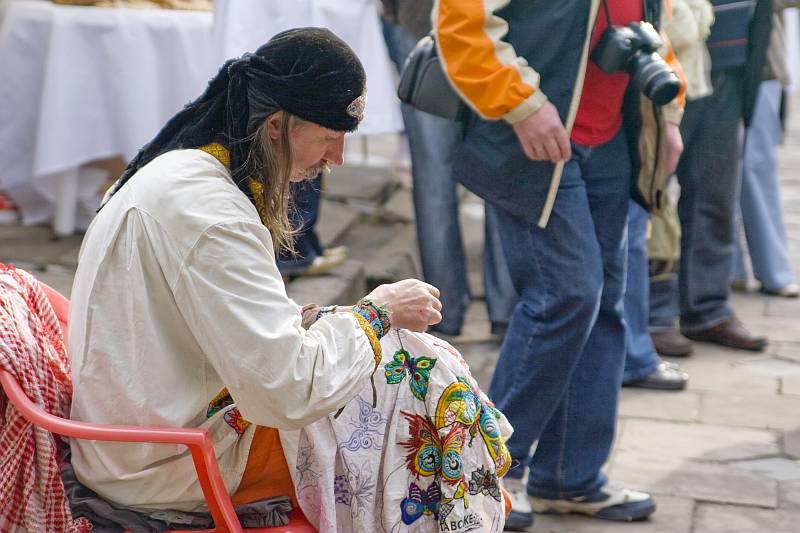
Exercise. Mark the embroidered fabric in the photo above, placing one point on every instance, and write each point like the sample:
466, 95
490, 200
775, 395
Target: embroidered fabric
427, 457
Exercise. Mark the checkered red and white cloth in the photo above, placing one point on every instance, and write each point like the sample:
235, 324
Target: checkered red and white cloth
32, 495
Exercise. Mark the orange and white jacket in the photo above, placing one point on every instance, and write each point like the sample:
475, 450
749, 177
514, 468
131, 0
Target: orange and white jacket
478, 43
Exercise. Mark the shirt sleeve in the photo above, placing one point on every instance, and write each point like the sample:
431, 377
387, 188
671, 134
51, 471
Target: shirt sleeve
279, 374
483, 68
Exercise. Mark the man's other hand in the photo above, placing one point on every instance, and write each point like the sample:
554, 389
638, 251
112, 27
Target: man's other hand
542, 135
412, 304
674, 146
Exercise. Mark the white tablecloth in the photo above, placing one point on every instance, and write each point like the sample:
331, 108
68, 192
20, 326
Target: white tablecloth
244, 25
82, 83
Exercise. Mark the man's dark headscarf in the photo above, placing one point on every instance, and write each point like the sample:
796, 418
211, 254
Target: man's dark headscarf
307, 72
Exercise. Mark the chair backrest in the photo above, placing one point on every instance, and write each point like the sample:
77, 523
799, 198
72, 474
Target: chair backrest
197, 440
60, 305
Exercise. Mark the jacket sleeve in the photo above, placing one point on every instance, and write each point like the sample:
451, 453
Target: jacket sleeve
673, 111
482, 67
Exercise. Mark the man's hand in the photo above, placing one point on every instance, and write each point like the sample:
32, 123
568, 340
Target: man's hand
412, 304
674, 146
542, 135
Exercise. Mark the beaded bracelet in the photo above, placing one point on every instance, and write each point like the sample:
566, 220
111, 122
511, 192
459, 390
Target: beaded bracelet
376, 316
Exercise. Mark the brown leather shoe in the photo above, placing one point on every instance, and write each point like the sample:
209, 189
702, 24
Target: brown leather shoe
671, 343
732, 334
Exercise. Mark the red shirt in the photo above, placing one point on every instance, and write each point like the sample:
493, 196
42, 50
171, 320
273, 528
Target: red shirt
599, 115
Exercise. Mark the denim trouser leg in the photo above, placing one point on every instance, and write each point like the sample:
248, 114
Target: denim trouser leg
762, 211
501, 297
640, 355
560, 366
709, 176
663, 303
306, 196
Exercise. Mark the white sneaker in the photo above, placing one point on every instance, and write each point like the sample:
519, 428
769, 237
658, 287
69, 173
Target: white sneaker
607, 502
521, 516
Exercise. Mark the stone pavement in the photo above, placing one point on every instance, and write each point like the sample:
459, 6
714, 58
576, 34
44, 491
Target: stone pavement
721, 457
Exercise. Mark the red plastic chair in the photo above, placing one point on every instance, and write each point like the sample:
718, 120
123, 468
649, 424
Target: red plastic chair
197, 440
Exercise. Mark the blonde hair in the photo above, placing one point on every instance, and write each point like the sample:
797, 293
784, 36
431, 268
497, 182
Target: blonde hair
270, 165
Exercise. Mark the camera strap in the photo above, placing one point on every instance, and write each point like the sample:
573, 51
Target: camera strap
608, 15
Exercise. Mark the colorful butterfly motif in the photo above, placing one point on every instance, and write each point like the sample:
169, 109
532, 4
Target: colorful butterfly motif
368, 434
459, 402
484, 482
420, 503
430, 454
418, 369
489, 429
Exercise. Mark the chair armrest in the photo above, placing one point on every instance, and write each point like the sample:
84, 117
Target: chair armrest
197, 440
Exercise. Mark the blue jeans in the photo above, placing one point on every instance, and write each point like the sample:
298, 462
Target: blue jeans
431, 141
762, 211
306, 196
560, 367
641, 358
709, 175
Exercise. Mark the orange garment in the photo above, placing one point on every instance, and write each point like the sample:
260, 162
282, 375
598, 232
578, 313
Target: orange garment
266, 474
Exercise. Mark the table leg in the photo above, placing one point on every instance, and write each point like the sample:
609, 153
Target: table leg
66, 204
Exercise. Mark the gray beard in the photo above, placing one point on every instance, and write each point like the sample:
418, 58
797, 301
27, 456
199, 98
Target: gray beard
311, 172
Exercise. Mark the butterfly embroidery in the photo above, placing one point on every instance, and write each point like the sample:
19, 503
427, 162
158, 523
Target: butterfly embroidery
418, 369
459, 402
430, 454
490, 432
484, 482
420, 503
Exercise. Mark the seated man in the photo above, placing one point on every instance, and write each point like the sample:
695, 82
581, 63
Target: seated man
179, 316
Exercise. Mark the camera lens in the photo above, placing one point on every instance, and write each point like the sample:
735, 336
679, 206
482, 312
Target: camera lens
654, 78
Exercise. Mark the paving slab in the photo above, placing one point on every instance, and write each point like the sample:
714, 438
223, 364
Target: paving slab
790, 385
395, 259
778, 468
789, 494
670, 441
35, 245
400, 206
335, 218
718, 371
787, 350
673, 515
690, 479
752, 410
360, 183
791, 443
343, 285
659, 405
58, 277
712, 518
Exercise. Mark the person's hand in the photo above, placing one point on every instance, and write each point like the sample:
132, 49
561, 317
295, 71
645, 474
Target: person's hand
542, 135
674, 146
412, 304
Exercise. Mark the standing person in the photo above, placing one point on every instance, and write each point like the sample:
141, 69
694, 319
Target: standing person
432, 141
762, 210
544, 106
687, 28
709, 174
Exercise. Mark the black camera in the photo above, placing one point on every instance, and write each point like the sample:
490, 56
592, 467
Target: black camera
633, 48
